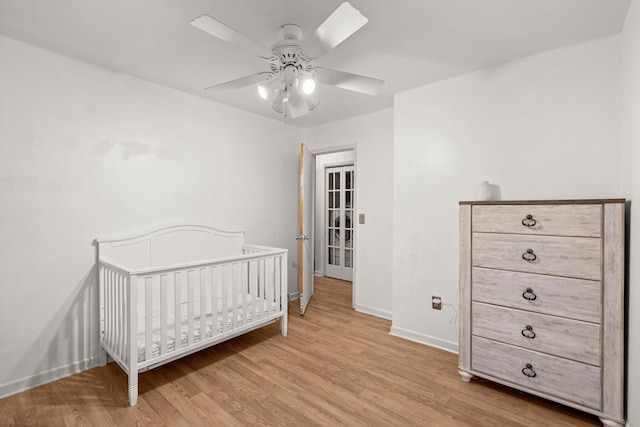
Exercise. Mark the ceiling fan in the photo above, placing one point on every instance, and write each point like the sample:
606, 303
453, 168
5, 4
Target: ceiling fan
290, 83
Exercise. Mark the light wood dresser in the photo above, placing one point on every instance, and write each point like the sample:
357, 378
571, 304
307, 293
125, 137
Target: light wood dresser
542, 300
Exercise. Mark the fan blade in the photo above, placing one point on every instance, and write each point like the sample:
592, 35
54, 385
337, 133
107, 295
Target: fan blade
297, 105
242, 82
342, 23
223, 32
353, 82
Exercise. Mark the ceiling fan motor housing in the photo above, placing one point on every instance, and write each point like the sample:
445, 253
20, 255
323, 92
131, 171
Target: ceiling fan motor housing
288, 55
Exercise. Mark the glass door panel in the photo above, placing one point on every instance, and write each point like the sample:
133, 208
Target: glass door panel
340, 211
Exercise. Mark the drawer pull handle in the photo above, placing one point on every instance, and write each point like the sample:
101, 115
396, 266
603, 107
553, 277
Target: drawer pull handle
529, 221
527, 332
528, 371
529, 295
529, 256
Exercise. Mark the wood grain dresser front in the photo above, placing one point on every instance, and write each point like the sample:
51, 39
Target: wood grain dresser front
542, 300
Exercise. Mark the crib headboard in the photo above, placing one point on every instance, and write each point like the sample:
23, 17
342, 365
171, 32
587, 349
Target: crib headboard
170, 245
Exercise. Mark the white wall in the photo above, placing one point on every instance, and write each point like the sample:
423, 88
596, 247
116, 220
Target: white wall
631, 140
322, 162
546, 127
87, 152
372, 135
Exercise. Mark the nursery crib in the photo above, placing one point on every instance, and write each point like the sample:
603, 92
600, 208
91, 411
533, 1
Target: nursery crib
175, 290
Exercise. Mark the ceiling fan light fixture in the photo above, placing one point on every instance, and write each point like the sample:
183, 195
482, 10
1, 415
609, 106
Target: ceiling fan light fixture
312, 101
292, 99
308, 86
262, 91
280, 102
267, 90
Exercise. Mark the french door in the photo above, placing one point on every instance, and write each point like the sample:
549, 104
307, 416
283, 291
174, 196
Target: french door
340, 208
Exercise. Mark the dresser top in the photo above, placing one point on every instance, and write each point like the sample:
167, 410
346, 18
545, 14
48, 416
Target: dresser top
542, 202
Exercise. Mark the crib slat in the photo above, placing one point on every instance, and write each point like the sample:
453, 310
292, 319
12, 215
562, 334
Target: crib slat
108, 307
253, 286
116, 301
148, 318
115, 311
225, 280
163, 314
203, 303
276, 279
235, 269
215, 308
126, 311
121, 323
276, 284
105, 304
118, 315
261, 287
190, 307
211, 302
279, 278
177, 315
243, 291
269, 284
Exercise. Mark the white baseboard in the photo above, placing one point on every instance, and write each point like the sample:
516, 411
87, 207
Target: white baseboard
42, 378
373, 311
294, 296
449, 346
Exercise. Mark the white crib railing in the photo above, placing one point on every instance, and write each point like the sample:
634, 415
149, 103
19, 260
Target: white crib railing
152, 316
115, 311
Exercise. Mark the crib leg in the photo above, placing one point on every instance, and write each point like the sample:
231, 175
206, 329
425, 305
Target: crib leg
133, 389
283, 324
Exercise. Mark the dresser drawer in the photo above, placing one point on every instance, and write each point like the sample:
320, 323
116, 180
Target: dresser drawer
557, 220
560, 296
569, 380
572, 339
578, 257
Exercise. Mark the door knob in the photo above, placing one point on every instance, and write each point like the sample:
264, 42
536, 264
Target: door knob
302, 237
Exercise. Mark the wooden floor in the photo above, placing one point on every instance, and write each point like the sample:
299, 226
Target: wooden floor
336, 367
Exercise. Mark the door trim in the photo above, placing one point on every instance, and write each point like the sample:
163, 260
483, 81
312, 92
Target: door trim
336, 149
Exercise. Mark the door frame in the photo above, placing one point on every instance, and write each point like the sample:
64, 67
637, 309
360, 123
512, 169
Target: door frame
322, 244
337, 149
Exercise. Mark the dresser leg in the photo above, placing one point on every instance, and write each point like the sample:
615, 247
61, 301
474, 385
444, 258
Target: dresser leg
465, 376
611, 423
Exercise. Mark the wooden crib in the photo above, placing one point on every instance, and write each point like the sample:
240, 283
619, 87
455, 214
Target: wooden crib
175, 290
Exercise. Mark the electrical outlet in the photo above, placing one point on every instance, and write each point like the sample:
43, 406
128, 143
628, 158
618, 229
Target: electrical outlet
436, 303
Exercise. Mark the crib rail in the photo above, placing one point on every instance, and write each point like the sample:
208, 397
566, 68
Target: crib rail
153, 315
114, 312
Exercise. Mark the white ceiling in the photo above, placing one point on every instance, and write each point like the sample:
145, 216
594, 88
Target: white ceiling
407, 43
